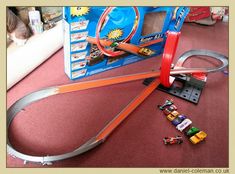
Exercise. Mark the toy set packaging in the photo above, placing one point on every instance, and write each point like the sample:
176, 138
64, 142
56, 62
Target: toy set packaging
97, 39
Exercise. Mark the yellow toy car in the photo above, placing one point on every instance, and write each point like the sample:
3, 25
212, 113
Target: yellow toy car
146, 51
172, 115
200, 136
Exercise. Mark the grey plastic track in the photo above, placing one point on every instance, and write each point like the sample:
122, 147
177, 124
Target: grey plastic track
188, 54
93, 142
21, 104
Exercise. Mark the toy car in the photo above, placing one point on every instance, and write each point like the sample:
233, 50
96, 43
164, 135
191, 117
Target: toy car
95, 56
200, 136
114, 44
184, 124
168, 109
172, 115
178, 120
146, 52
192, 131
167, 103
173, 140
175, 113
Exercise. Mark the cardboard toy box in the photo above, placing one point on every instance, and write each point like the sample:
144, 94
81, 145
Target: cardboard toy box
83, 58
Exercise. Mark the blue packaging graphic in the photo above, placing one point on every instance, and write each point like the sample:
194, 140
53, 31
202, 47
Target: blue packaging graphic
83, 58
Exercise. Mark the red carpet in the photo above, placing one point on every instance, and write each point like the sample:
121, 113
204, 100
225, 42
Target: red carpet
61, 123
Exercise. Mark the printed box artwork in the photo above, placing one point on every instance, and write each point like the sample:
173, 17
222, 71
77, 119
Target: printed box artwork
97, 39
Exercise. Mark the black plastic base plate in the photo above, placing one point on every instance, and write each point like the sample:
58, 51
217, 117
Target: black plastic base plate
185, 87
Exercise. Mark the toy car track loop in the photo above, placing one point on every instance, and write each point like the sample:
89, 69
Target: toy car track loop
167, 58
99, 27
117, 120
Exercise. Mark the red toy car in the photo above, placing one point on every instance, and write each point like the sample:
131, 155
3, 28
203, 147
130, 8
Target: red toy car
168, 109
173, 140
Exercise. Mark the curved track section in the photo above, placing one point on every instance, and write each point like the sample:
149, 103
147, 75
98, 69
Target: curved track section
99, 27
167, 58
189, 54
107, 130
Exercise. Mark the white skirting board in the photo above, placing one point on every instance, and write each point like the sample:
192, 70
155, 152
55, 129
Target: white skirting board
21, 60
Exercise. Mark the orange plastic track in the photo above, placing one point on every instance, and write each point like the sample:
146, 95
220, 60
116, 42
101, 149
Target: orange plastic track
127, 110
104, 82
126, 47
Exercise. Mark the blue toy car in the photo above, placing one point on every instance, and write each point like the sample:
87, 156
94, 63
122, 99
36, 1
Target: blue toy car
178, 120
